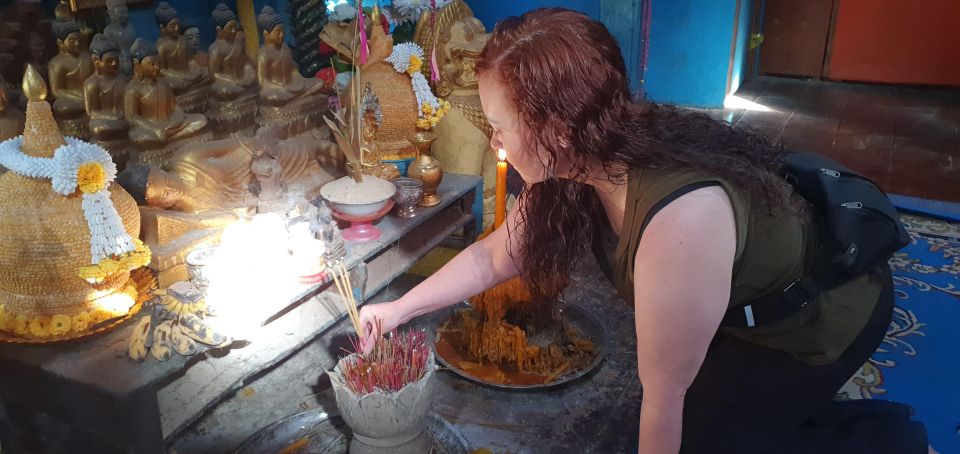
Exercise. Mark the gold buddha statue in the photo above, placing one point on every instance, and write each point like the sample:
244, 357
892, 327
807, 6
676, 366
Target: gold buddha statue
11, 119
66, 72
121, 32
288, 101
189, 81
103, 98
191, 31
157, 124
65, 12
216, 175
233, 96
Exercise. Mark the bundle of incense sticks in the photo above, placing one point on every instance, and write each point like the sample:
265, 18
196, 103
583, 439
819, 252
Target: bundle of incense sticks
341, 276
393, 363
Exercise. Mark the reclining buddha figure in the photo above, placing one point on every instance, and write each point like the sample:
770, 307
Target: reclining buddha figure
195, 194
233, 96
157, 124
189, 81
288, 101
66, 72
103, 97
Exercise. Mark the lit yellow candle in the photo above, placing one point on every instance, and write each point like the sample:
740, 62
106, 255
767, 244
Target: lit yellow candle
500, 206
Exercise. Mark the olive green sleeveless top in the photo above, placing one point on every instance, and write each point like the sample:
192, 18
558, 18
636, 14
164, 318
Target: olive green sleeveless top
772, 251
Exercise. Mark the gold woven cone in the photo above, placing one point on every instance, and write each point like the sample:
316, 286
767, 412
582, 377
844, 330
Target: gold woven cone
44, 239
395, 92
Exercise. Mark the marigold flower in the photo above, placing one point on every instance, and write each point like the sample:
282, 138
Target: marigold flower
91, 177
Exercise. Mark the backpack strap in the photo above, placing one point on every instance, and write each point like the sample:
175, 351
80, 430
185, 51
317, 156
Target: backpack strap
773, 307
682, 191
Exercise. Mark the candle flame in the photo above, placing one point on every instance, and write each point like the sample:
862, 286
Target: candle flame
502, 154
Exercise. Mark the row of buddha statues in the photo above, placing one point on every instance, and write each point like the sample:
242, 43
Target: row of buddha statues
172, 99
194, 185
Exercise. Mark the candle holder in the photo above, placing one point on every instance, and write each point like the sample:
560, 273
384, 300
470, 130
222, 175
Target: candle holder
426, 168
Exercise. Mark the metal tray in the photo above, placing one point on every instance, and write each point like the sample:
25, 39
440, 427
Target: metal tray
582, 318
329, 434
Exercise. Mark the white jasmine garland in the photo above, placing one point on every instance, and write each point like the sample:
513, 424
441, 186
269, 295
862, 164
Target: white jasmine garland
107, 235
400, 59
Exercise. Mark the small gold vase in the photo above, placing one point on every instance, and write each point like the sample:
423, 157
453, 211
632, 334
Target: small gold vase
426, 168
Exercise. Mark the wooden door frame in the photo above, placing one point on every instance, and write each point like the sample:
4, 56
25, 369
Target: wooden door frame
831, 32
733, 46
756, 27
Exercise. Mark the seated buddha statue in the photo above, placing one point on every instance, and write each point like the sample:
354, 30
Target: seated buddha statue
121, 32
191, 31
157, 124
287, 99
103, 98
66, 72
233, 96
189, 81
11, 119
63, 11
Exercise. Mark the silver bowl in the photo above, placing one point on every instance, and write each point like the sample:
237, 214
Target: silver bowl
409, 191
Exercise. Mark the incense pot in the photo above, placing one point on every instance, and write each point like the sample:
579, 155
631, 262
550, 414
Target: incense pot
387, 422
426, 168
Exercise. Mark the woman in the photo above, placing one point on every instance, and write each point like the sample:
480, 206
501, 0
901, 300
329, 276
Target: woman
688, 218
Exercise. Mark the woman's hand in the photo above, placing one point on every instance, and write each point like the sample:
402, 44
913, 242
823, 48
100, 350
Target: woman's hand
391, 316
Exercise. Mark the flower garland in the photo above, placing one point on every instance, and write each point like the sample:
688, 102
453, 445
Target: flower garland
80, 166
408, 58
57, 325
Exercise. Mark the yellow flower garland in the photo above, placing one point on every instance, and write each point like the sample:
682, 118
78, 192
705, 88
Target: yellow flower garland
58, 325
129, 261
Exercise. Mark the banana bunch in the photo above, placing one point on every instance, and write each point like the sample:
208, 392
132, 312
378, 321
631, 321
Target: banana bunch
175, 324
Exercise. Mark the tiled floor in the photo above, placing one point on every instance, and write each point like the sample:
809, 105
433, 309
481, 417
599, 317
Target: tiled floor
907, 139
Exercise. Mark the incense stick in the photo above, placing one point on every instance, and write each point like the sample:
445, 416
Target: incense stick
346, 295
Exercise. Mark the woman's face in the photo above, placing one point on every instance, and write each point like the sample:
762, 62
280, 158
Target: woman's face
509, 131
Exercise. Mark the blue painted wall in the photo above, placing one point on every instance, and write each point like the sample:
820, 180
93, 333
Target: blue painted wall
690, 52
490, 11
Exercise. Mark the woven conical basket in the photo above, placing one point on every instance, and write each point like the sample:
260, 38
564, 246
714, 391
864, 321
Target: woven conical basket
44, 239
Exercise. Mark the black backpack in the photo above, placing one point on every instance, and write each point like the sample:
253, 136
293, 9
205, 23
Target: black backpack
860, 229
